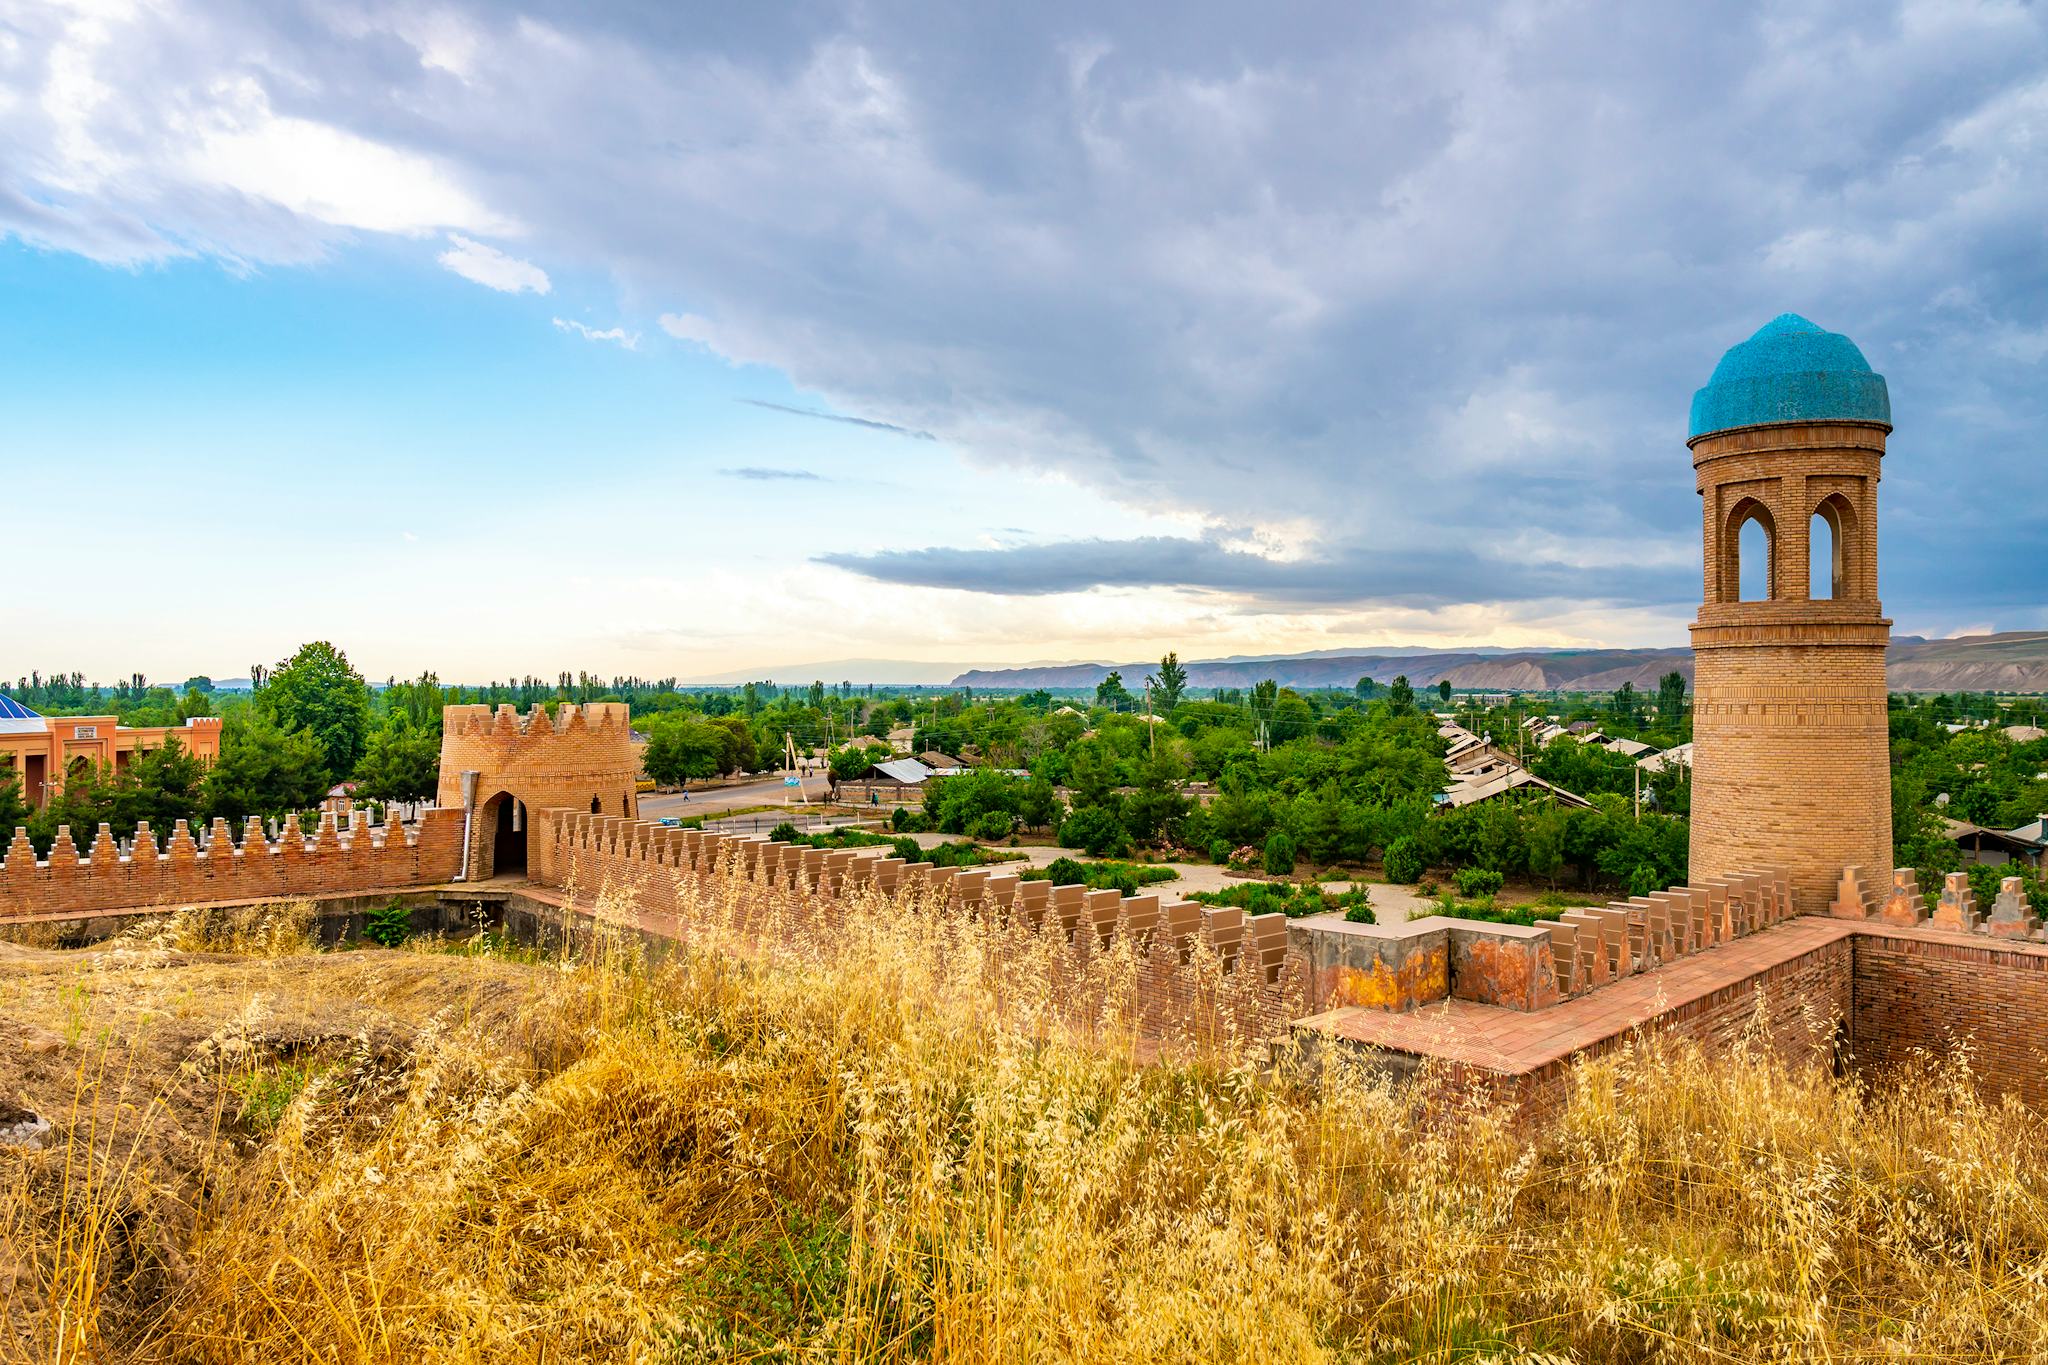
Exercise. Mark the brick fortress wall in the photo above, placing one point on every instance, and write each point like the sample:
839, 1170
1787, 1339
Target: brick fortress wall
1183, 975
337, 857
580, 759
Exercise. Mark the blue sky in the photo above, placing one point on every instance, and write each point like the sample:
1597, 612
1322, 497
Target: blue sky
467, 335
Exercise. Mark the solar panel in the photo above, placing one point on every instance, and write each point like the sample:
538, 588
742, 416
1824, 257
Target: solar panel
10, 709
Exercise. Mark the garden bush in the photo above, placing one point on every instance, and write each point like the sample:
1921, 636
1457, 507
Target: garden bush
1278, 858
1096, 829
1124, 877
1478, 881
1404, 861
388, 925
1289, 899
992, 825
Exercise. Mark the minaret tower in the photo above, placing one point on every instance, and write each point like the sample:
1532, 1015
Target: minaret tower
1791, 767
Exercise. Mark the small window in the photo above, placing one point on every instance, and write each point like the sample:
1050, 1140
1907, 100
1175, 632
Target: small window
1824, 563
1753, 560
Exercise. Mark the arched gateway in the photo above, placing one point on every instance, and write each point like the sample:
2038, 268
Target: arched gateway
502, 768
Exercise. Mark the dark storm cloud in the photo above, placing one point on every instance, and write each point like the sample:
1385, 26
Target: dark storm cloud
1415, 578
1408, 278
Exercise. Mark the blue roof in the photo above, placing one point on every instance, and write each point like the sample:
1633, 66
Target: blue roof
1791, 371
10, 709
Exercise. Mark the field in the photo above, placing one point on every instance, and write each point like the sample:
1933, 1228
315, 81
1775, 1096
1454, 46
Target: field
844, 1152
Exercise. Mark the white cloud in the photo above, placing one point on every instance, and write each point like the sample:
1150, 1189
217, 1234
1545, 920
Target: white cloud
629, 340
492, 268
1373, 277
326, 173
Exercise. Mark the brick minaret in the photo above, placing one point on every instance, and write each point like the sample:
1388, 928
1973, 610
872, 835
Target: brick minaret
1790, 762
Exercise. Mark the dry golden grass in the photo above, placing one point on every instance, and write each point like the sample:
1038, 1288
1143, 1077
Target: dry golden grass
839, 1153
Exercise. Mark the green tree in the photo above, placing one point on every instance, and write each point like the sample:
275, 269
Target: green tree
1367, 689
1671, 699
1098, 830
1443, 689
1401, 697
317, 691
683, 749
1112, 693
738, 751
849, 762
402, 762
162, 785
1545, 833
1169, 683
262, 769
14, 809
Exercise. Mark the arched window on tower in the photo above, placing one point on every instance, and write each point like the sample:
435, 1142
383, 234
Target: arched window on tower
1832, 538
1824, 567
1748, 572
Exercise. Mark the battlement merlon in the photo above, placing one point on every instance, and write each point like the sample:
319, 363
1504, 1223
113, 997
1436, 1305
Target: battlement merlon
580, 758
505, 719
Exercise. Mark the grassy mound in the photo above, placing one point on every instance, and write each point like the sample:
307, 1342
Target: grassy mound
841, 1151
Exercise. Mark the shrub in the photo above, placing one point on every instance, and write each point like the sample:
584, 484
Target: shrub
1404, 861
1524, 915
784, 833
266, 1094
906, 848
1097, 830
991, 825
1219, 850
1065, 872
388, 925
904, 820
1278, 858
1282, 898
962, 854
1124, 877
1478, 881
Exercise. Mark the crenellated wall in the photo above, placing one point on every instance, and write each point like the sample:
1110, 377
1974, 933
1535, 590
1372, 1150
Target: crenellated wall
581, 758
1180, 973
352, 857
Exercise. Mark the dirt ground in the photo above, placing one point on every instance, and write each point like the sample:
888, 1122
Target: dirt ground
156, 1059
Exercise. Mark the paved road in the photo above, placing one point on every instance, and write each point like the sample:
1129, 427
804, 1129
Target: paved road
767, 791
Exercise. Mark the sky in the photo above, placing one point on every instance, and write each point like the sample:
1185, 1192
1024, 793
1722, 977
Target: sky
710, 341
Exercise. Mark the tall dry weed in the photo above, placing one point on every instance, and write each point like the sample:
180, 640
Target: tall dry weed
885, 1139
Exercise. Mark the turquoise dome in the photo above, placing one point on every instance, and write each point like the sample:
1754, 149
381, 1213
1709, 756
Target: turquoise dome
1791, 371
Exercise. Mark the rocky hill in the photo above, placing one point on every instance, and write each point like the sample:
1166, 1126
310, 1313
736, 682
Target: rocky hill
2016, 661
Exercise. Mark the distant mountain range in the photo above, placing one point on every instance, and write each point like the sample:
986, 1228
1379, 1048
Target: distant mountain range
2015, 661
